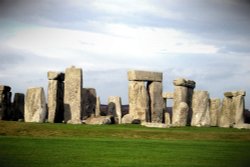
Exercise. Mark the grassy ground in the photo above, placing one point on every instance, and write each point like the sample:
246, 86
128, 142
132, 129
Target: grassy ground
30, 144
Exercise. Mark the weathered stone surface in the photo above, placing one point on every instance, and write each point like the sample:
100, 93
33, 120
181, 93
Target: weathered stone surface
117, 109
228, 94
127, 119
167, 119
184, 82
18, 106
154, 125
180, 97
88, 102
200, 107
239, 108
156, 102
225, 115
215, 109
168, 95
101, 120
138, 100
55, 101
98, 107
135, 75
73, 95
52, 75
5, 102
35, 105
180, 115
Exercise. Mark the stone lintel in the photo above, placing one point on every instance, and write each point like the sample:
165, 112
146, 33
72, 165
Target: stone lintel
52, 75
4, 88
235, 93
168, 95
134, 75
184, 82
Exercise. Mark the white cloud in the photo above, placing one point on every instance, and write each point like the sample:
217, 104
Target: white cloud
119, 40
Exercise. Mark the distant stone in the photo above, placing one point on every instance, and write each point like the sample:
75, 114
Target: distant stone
167, 119
5, 102
35, 105
135, 75
98, 107
154, 125
168, 95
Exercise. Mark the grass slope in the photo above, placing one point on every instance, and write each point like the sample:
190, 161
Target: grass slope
28, 144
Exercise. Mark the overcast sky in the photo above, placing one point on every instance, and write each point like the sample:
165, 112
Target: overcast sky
205, 41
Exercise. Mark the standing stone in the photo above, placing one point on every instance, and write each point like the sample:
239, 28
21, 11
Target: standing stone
138, 100
157, 102
116, 103
35, 105
180, 97
239, 107
73, 95
55, 97
18, 106
98, 107
88, 102
180, 117
200, 107
167, 119
5, 102
227, 107
215, 108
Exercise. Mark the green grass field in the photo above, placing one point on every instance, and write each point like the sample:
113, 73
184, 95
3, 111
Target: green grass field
31, 144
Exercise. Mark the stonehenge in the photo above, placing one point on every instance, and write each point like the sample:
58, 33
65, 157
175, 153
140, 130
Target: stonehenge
145, 96
69, 102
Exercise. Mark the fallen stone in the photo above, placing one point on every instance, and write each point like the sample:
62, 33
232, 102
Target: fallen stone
155, 125
101, 120
242, 126
127, 119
